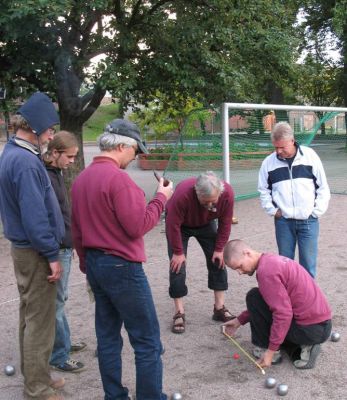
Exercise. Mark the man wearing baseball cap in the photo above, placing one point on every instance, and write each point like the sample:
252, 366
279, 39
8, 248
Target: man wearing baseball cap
34, 225
109, 219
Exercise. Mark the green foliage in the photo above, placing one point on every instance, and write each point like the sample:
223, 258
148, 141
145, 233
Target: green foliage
96, 124
209, 51
164, 115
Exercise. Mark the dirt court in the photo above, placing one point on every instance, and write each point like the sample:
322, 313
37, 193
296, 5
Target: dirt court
199, 363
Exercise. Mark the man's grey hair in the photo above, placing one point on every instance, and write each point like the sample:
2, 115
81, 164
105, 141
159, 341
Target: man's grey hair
206, 183
282, 131
109, 141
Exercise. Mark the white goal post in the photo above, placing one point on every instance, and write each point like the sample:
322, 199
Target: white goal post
249, 106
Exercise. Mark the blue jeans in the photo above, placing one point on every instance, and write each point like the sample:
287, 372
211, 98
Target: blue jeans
122, 295
62, 342
305, 234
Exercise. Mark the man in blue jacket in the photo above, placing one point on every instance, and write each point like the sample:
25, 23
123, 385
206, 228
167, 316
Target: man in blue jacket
294, 190
33, 223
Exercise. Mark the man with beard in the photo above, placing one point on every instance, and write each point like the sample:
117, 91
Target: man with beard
34, 225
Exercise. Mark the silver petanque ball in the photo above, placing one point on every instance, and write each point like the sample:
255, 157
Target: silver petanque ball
176, 396
335, 337
282, 389
270, 382
9, 370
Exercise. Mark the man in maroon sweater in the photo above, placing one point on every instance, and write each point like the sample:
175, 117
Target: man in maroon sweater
287, 309
192, 211
109, 219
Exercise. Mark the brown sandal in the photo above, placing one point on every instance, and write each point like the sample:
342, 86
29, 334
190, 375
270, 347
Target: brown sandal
222, 315
179, 327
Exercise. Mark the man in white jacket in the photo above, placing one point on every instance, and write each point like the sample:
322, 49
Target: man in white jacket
293, 188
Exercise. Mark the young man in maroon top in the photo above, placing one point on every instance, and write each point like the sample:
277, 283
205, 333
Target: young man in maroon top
287, 308
109, 219
192, 211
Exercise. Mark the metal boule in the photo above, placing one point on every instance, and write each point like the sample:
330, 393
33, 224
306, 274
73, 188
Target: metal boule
9, 370
270, 382
282, 389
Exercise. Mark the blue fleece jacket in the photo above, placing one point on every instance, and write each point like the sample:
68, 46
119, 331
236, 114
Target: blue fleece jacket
29, 208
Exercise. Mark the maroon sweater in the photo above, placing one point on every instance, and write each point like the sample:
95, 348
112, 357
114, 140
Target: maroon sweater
290, 292
109, 212
184, 209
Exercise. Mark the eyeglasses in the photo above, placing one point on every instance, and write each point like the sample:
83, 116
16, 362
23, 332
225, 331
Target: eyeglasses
51, 131
136, 150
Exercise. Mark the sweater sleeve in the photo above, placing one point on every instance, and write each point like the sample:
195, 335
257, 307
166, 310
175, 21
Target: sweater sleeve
31, 192
77, 237
131, 210
225, 219
174, 219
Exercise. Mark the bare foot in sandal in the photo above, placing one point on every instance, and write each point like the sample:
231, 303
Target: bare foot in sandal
179, 323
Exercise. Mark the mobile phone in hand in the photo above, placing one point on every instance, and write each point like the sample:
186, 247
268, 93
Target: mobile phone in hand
157, 176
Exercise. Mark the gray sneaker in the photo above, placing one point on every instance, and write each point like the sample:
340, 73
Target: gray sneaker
78, 346
308, 357
70, 365
259, 351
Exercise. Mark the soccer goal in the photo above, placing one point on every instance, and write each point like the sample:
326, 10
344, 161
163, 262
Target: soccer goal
247, 127
234, 140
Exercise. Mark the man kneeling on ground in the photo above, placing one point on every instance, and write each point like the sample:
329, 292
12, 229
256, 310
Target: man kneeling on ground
287, 310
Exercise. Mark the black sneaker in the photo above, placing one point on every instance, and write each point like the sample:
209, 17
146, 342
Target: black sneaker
70, 365
76, 347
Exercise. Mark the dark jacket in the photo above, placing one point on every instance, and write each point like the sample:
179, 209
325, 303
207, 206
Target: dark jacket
57, 179
29, 208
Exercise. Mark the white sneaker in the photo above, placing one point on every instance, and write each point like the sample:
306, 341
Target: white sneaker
259, 351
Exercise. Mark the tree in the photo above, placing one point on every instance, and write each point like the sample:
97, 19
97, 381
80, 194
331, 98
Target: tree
205, 49
328, 19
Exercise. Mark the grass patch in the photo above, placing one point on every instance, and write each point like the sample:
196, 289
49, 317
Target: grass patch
96, 123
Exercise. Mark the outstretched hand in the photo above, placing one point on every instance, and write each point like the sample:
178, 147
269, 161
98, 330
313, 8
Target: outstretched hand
231, 326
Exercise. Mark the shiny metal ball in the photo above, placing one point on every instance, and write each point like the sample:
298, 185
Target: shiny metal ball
270, 382
176, 396
335, 337
282, 389
9, 370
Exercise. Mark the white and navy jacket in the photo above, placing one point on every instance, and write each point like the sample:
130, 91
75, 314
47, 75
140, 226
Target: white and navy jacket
298, 191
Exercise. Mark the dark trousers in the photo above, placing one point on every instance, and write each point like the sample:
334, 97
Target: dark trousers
217, 277
261, 321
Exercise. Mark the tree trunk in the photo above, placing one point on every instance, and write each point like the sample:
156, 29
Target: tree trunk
76, 127
274, 95
260, 124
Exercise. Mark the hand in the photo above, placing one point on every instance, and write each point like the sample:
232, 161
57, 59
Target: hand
217, 258
56, 271
266, 360
278, 213
232, 326
165, 187
176, 262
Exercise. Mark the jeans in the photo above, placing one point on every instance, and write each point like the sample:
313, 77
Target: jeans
62, 342
122, 295
305, 233
261, 321
217, 277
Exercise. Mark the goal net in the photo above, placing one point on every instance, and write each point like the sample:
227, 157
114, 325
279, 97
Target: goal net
234, 142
